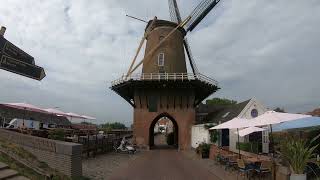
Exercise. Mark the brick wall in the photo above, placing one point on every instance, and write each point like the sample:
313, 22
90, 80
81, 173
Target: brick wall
65, 157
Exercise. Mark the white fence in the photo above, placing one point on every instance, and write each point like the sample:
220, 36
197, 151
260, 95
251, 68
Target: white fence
165, 77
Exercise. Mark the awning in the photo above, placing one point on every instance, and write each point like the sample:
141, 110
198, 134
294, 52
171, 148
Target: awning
232, 124
296, 124
249, 130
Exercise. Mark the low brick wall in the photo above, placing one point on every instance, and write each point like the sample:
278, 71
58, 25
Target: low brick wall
65, 157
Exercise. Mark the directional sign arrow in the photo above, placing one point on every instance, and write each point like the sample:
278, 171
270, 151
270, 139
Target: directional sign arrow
9, 49
22, 68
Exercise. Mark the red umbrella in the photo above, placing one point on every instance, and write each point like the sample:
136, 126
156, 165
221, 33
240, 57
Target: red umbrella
74, 115
25, 106
88, 117
56, 112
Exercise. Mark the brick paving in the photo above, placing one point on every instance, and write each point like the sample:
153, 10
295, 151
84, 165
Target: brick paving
164, 164
102, 166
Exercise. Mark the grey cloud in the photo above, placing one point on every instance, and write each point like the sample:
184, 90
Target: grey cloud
266, 49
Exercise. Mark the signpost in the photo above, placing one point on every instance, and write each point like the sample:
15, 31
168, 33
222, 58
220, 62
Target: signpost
22, 68
15, 60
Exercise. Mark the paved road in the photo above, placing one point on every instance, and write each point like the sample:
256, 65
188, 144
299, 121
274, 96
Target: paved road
162, 165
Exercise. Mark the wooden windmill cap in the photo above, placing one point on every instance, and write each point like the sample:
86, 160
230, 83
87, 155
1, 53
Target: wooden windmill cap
159, 23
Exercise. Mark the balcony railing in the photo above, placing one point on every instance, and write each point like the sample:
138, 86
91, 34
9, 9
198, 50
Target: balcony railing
165, 77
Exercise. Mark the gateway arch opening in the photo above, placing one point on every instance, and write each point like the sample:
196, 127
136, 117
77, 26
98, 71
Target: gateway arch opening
163, 133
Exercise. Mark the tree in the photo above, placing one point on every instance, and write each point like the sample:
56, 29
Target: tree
115, 125
221, 101
86, 123
279, 110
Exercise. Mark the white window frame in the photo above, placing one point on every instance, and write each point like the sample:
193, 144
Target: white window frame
161, 59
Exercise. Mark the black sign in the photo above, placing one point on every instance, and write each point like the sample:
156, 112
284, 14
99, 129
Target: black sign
22, 68
7, 48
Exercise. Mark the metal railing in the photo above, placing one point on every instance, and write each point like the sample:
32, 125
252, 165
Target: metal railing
164, 77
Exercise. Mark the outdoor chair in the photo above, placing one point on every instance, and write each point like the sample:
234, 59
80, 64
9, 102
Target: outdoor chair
243, 169
264, 169
231, 164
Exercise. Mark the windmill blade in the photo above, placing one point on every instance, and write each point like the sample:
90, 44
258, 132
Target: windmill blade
190, 57
200, 12
176, 17
174, 11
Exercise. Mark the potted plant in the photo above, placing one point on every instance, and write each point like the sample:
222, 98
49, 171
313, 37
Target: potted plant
204, 150
297, 153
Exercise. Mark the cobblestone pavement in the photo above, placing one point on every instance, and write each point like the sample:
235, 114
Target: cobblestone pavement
160, 139
165, 164
162, 165
102, 166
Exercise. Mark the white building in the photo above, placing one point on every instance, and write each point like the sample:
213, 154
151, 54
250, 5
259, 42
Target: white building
247, 109
199, 134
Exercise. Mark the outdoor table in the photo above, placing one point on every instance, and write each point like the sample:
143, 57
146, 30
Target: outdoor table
253, 160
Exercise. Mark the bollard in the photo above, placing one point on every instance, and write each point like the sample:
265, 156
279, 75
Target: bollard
2, 30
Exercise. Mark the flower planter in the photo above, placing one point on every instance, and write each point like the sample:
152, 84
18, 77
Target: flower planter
298, 177
205, 155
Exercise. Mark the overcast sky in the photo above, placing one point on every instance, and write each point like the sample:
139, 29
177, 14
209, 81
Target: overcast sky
263, 49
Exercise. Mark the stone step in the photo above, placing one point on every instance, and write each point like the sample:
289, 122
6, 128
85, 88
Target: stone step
3, 166
18, 178
7, 173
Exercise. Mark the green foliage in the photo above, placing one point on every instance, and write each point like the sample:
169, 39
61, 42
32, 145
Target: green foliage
297, 153
203, 148
254, 147
214, 136
311, 135
170, 138
279, 110
86, 123
220, 101
208, 126
23, 170
111, 126
16, 150
57, 134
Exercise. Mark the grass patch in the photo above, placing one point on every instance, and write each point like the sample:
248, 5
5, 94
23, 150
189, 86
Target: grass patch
25, 171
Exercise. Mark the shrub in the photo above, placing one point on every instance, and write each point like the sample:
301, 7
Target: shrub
203, 148
214, 136
57, 134
297, 153
170, 139
253, 147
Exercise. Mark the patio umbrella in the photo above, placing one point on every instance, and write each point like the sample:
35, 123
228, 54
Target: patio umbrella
56, 112
88, 117
234, 123
272, 117
25, 107
74, 115
297, 124
250, 130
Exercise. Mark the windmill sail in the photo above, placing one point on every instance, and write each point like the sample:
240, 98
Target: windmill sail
174, 11
176, 17
200, 12
190, 57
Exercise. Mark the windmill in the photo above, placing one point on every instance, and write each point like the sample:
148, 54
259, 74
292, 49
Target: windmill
189, 24
164, 88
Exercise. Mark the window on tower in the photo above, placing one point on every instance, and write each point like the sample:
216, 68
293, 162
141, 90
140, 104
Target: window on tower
161, 59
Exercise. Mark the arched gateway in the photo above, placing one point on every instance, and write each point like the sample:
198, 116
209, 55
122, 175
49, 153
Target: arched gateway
175, 130
164, 87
